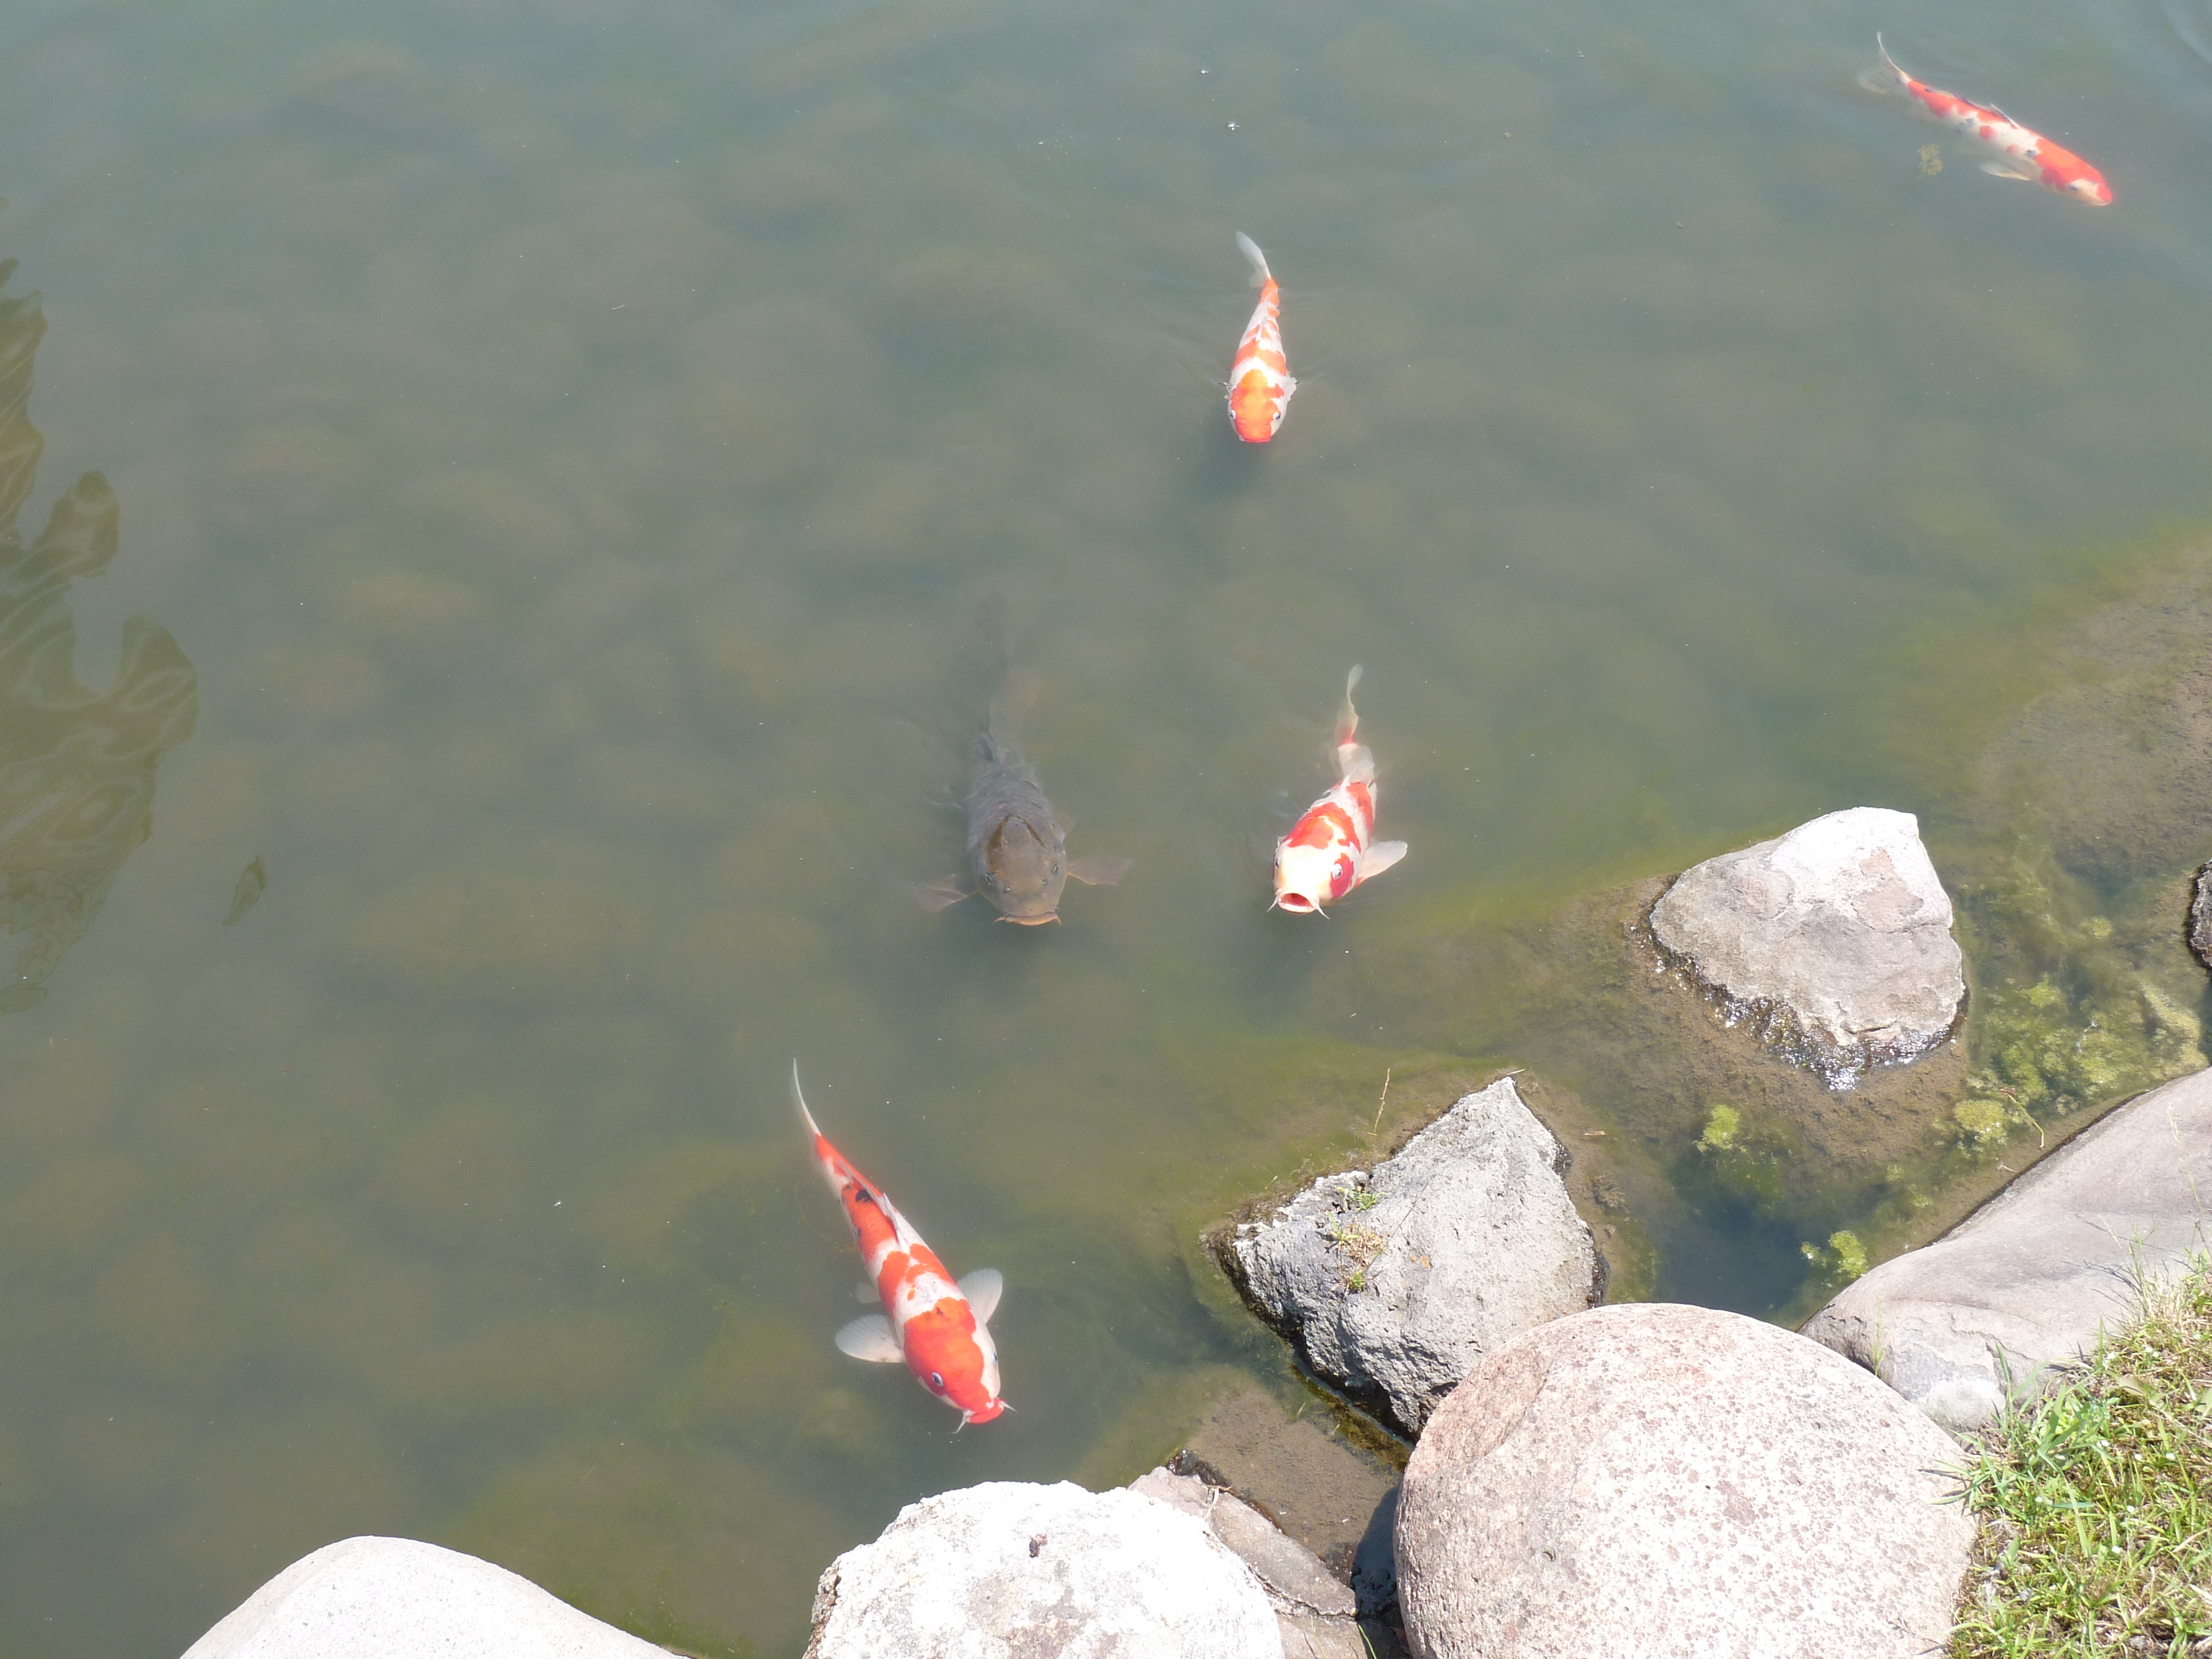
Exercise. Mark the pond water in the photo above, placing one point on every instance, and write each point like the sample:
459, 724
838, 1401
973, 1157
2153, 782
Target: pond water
564, 448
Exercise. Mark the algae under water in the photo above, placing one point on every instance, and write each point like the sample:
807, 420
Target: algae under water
570, 450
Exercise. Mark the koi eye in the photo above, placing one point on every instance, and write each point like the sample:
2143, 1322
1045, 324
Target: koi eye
936, 1379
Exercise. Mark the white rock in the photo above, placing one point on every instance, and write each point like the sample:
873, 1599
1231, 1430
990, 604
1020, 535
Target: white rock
394, 1598
1465, 1238
1007, 1570
1314, 1613
1676, 1483
1835, 939
2025, 1283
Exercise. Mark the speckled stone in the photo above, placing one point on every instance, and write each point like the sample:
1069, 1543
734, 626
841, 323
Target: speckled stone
1832, 941
1008, 1569
1660, 1481
396, 1598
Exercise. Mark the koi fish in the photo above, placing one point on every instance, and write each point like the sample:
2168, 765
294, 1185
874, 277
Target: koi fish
1331, 850
936, 1327
1259, 383
1016, 849
2027, 157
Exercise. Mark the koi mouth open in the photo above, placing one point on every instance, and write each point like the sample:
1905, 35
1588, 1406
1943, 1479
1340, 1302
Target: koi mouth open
1297, 903
1031, 922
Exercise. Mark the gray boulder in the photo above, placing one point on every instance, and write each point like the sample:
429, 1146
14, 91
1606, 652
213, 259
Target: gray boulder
1005, 1568
1676, 1483
2026, 1282
1315, 1615
393, 1598
1833, 941
1394, 1281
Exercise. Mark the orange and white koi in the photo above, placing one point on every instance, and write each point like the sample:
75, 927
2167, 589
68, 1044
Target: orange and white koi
1259, 383
2027, 157
1332, 849
936, 1327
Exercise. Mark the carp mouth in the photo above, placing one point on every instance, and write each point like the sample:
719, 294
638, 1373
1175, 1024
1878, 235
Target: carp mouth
1297, 903
1032, 921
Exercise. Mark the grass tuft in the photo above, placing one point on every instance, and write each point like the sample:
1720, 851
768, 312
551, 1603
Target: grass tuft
2095, 1502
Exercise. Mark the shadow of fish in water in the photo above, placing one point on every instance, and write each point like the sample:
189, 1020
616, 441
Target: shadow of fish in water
250, 881
1016, 849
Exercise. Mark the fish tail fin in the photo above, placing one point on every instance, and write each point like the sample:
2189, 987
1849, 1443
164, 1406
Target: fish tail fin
1260, 275
1348, 717
995, 617
1888, 78
798, 1099
1016, 695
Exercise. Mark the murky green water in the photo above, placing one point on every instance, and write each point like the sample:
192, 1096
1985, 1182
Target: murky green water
568, 445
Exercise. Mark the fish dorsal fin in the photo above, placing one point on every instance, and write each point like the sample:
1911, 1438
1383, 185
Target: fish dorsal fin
983, 1288
1380, 857
870, 1338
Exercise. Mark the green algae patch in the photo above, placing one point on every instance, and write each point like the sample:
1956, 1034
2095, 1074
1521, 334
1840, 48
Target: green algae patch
1746, 1165
1722, 1124
1843, 1260
2083, 1010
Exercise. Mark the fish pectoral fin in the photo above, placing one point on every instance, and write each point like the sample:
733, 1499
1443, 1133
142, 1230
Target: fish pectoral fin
2006, 170
1380, 857
945, 890
983, 1288
1098, 871
870, 1338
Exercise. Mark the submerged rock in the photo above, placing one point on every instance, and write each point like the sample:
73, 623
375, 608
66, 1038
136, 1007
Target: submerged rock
1321, 1487
394, 1598
1394, 1282
1011, 1568
1834, 940
1676, 1481
1315, 1615
2026, 1283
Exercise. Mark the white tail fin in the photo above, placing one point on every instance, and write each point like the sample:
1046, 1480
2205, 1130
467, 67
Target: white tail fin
1260, 275
1888, 78
798, 1100
1347, 718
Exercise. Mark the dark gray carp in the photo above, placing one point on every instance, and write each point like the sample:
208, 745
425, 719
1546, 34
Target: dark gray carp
1016, 849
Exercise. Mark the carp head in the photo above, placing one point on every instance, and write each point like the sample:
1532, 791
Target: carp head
1024, 873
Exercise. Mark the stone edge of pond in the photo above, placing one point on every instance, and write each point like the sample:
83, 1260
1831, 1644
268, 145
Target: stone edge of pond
1307, 1203
1769, 1020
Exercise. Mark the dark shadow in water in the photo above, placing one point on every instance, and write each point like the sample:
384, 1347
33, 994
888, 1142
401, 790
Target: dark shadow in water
1222, 466
1734, 1260
76, 765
